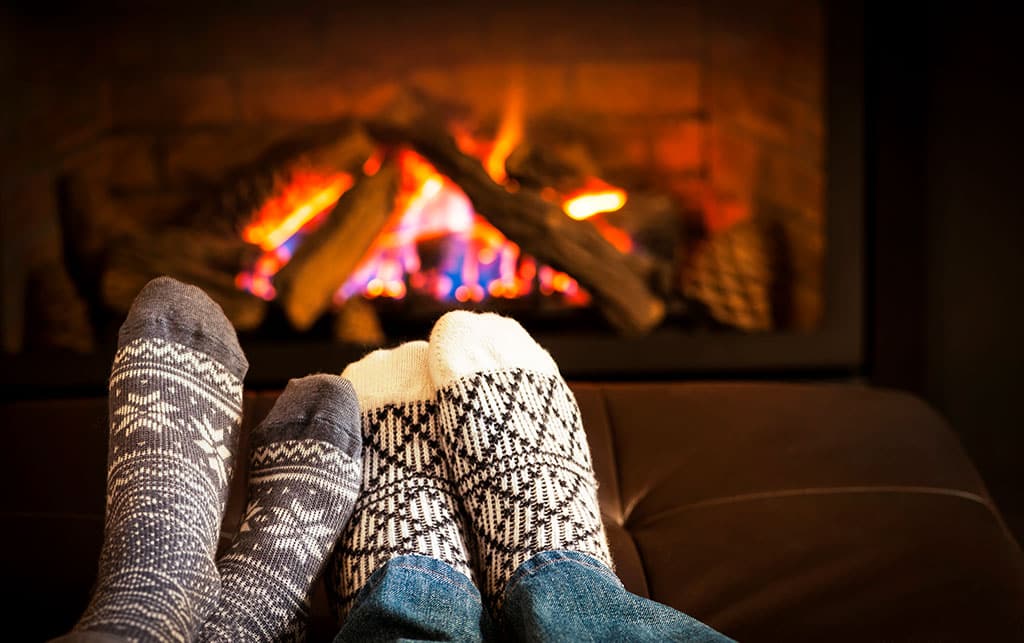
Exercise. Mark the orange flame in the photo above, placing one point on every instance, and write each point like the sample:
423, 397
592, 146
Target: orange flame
510, 133
281, 217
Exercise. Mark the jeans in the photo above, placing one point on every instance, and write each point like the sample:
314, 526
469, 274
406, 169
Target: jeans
554, 596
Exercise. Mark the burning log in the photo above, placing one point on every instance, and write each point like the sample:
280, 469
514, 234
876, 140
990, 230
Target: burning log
307, 283
357, 323
57, 315
207, 260
564, 167
537, 226
337, 147
654, 222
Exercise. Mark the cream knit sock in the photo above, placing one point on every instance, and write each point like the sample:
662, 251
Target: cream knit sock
406, 506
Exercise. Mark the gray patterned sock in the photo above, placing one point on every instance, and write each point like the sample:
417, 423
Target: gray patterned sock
304, 478
515, 443
406, 506
175, 407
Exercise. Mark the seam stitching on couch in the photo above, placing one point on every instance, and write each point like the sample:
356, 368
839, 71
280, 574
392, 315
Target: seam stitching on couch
824, 491
644, 589
614, 448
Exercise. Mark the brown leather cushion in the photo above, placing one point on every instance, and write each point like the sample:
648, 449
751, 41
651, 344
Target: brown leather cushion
770, 511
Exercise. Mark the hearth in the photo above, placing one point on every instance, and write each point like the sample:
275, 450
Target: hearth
654, 191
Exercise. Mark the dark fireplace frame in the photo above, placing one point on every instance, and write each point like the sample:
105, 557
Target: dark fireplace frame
835, 349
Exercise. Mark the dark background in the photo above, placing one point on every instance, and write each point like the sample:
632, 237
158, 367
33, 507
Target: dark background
944, 143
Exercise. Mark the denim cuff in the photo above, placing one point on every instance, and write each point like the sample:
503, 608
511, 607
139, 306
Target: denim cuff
438, 570
546, 559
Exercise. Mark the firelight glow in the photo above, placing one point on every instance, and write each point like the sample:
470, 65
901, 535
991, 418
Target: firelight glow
306, 197
472, 259
585, 206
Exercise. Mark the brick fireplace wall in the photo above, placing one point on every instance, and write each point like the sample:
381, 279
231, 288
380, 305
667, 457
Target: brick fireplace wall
721, 103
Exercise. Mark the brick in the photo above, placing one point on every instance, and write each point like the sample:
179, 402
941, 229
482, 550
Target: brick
678, 146
486, 87
733, 160
793, 183
621, 147
722, 211
771, 115
173, 99
292, 95
637, 87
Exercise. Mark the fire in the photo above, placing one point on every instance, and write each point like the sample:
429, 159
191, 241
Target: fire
471, 259
279, 224
595, 197
281, 217
477, 260
510, 133
587, 205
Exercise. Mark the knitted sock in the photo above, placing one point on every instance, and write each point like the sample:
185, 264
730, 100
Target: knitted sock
175, 407
406, 506
515, 443
303, 481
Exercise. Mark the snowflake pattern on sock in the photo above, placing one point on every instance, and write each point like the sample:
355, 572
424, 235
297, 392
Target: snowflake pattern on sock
301, 493
174, 416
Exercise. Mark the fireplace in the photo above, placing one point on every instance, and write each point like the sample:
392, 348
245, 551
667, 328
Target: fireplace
652, 190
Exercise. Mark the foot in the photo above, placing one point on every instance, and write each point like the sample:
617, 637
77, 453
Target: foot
513, 437
303, 481
406, 506
175, 409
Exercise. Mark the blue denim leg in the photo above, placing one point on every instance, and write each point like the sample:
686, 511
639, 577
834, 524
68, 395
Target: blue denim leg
569, 596
416, 598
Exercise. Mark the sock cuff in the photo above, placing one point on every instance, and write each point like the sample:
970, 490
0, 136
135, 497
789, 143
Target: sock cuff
316, 407
181, 313
392, 376
463, 343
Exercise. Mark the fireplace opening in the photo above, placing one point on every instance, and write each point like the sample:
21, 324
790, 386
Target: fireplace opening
644, 184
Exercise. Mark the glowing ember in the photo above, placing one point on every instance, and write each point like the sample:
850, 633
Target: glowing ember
587, 205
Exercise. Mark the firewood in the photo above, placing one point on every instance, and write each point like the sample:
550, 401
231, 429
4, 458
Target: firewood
563, 166
207, 260
539, 227
330, 253
336, 147
57, 315
357, 323
655, 223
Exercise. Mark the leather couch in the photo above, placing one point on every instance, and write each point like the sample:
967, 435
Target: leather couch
773, 512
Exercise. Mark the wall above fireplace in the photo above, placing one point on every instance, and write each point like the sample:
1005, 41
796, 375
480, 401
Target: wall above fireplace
740, 123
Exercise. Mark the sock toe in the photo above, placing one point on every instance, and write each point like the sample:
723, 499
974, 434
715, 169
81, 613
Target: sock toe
391, 376
463, 343
316, 407
181, 313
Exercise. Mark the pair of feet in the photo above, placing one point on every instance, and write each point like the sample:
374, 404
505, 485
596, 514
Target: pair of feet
474, 454
468, 449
